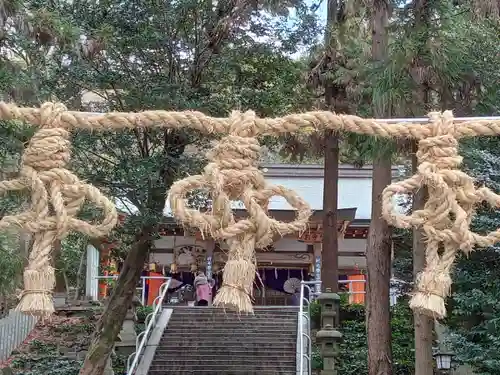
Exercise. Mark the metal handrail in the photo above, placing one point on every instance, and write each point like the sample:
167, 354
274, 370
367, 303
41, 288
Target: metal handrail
305, 318
143, 337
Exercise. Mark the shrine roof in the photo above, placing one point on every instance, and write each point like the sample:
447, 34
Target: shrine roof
343, 214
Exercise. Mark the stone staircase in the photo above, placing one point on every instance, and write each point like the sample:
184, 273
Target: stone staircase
209, 341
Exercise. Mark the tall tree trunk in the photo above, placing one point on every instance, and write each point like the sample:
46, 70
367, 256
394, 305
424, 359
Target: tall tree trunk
60, 282
423, 324
111, 321
379, 251
330, 246
79, 273
110, 324
330, 252
378, 260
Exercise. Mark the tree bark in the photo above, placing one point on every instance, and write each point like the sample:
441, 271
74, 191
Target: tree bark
423, 324
330, 246
330, 251
111, 321
81, 268
378, 260
60, 281
110, 324
379, 251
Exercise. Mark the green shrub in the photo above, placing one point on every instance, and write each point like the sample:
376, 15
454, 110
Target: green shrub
46, 365
353, 348
142, 312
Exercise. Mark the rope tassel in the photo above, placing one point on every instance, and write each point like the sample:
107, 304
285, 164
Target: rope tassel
232, 175
446, 216
56, 198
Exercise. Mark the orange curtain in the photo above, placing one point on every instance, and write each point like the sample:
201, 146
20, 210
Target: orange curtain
103, 286
357, 289
154, 287
103, 283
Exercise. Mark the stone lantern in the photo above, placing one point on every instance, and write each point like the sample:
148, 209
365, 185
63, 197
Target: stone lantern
330, 307
328, 340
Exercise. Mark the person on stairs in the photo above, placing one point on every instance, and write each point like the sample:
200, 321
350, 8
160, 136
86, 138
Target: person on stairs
203, 289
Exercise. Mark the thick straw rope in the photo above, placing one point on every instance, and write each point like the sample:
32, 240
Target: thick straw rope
446, 216
232, 174
56, 198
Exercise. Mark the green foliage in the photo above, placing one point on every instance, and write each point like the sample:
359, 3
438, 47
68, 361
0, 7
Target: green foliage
317, 359
74, 329
11, 262
119, 363
142, 312
73, 248
43, 365
353, 347
44, 358
41, 347
456, 61
315, 314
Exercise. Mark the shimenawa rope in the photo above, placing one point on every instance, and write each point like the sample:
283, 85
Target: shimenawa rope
232, 174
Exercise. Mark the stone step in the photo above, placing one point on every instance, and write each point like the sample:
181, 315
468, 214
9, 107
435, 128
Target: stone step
217, 320
226, 341
205, 310
208, 310
194, 323
229, 335
162, 352
220, 319
221, 367
218, 339
222, 372
232, 323
194, 345
207, 360
256, 309
228, 330
235, 316
235, 319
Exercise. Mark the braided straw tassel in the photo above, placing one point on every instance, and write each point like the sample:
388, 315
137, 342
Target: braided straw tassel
446, 216
232, 175
56, 198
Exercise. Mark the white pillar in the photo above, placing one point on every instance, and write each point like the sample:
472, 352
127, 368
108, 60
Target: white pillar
91, 282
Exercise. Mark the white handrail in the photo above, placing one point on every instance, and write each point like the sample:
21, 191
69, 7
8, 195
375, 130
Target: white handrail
305, 319
143, 337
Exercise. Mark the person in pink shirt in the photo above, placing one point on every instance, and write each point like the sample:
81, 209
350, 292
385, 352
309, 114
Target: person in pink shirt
203, 290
